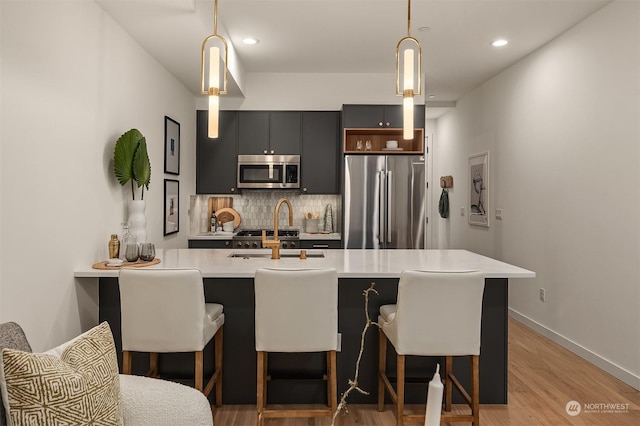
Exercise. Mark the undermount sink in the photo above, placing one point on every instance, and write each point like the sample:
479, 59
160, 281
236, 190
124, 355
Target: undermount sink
250, 255
284, 253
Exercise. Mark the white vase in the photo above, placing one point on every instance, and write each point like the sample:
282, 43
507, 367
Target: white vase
138, 220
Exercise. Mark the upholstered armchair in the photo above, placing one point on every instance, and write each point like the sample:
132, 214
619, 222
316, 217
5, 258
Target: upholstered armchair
144, 401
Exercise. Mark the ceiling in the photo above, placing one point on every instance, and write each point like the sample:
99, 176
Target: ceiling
351, 36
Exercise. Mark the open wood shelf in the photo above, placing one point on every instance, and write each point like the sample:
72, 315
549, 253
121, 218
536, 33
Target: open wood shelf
379, 138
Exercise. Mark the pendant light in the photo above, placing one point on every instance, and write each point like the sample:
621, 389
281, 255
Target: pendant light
409, 74
211, 83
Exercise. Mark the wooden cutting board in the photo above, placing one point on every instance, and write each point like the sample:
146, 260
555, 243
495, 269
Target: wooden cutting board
228, 214
217, 203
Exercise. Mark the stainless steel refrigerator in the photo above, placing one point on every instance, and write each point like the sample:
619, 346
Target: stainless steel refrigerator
384, 202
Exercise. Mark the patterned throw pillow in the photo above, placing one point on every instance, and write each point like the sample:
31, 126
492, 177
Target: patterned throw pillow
79, 387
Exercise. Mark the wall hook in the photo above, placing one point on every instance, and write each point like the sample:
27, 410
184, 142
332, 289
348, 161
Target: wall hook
446, 181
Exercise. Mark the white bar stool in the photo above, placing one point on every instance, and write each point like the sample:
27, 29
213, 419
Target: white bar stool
296, 311
437, 314
163, 311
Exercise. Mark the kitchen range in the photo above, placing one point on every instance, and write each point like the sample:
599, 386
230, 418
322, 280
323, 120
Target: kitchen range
252, 238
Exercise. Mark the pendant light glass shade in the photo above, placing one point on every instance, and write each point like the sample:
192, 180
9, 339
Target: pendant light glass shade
409, 72
213, 83
407, 96
407, 117
214, 92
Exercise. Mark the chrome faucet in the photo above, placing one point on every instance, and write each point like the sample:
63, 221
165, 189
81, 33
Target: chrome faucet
274, 244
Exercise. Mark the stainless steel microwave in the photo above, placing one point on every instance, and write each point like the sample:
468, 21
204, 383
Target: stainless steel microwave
269, 171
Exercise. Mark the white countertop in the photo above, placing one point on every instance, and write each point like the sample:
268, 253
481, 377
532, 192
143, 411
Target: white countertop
216, 263
229, 235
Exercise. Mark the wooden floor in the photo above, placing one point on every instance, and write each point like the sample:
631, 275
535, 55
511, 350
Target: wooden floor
543, 378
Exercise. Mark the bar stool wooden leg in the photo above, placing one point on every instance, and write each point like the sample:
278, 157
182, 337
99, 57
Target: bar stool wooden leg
265, 380
218, 368
475, 388
400, 389
199, 370
327, 377
382, 366
448, 389
126, 362
261, 385
153, 365
332, 384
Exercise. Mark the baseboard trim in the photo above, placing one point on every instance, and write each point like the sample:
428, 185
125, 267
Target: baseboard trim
584, 353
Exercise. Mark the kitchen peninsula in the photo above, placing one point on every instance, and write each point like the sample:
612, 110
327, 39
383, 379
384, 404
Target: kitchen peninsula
229, 280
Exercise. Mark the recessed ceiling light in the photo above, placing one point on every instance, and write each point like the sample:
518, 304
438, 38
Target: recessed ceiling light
250, 41
432, 96
424, 29
500, 43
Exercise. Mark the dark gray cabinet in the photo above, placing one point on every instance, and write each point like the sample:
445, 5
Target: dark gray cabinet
379, 116
269, 132
216, 158
253, 132
319, 168
210, 244
314, 135
285, 132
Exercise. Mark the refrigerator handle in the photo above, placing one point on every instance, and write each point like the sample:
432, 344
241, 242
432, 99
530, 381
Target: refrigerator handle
389, 203
382, 206
412, 189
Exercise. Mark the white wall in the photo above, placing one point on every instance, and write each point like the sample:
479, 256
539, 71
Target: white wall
72, 82
433, 187
562, 128
308, 91
1, 187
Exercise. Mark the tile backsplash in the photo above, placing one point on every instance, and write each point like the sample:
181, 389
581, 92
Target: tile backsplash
256, 209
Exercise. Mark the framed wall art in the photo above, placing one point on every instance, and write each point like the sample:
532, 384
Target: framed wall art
479, 189
171, 206
171, 146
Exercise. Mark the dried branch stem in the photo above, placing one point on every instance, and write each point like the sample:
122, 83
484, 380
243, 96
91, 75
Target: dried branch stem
353, 384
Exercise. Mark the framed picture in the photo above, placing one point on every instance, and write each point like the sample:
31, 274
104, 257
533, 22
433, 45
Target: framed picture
479, 189
171, 206
171, 146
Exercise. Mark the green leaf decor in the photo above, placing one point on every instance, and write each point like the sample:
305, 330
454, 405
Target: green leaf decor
131, 161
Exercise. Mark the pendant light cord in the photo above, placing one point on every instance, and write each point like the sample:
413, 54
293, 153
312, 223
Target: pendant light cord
408, 18
215, 17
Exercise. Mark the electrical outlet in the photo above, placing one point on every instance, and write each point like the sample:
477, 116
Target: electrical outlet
542, 295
